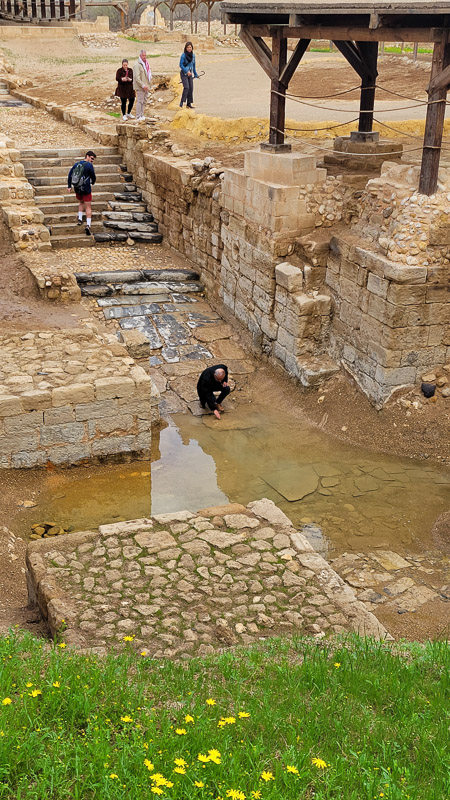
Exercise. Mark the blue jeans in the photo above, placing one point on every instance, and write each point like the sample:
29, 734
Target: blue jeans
188, 89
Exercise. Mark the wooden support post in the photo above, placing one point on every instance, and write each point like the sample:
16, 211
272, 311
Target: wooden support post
369, 55
72, 9
278, 92
434, 125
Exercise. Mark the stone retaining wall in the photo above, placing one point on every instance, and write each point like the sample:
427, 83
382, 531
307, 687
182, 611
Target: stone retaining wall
73, 396
24, 219
391, 295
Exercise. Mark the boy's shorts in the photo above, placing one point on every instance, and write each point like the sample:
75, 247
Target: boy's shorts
84, 198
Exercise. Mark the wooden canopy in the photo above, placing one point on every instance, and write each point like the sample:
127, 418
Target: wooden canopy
356, 27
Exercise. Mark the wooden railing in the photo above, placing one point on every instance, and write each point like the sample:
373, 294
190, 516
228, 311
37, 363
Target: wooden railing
35, 10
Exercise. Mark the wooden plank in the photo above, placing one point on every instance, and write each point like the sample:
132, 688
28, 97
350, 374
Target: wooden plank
369, 56
259, 50
278, 91
349, 33
351, 54
434, 125
300, 50
440, 81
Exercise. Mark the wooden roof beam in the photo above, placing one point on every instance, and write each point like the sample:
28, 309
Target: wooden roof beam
259, 50
440, 81
348, 33
300, 50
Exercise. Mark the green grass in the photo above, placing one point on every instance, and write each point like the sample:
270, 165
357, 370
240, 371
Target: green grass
103, 728
113, 114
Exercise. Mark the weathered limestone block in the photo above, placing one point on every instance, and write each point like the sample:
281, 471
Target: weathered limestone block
289, 277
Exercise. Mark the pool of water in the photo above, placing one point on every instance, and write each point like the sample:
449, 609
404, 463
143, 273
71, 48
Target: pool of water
343, 498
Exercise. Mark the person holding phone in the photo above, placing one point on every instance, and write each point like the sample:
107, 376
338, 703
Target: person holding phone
187, 74
124, 89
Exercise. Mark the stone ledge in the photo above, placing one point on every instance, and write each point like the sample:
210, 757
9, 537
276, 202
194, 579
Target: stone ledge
193, 582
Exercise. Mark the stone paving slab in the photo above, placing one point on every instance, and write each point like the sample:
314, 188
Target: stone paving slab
184, 584
397, 584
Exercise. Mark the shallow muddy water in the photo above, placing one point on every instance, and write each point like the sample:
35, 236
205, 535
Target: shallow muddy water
342, 497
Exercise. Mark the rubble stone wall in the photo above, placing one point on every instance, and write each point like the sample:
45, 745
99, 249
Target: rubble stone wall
94, 404
391, 296
22, 216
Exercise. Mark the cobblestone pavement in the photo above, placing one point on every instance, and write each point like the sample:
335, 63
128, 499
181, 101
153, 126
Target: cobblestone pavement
113, 257
186, 584
21, 125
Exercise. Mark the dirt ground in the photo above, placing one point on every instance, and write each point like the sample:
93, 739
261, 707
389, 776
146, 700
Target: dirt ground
21, 307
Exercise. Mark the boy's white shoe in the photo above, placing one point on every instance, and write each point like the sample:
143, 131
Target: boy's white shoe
130, 116
124, 117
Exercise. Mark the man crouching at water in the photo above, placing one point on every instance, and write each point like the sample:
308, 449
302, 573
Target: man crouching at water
213, 379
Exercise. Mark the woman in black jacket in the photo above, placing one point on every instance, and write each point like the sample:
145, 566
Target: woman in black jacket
124, 90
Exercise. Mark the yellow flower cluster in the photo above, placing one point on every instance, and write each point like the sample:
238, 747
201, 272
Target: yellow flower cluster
213, 755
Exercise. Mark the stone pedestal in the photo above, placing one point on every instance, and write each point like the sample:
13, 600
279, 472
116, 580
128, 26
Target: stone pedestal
359, 144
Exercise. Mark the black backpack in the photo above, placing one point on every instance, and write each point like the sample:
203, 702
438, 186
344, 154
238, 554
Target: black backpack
79, 179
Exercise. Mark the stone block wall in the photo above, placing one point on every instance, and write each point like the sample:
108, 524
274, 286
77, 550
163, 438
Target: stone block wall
391, 296
184, 200
22, 216
93, 404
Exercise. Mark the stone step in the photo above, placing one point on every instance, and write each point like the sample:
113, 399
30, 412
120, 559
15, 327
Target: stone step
68, 204
61, 180
71, 228
44, 165
62, 171
132, 227
127, 207
60, 189
77, 240
70, 152
69, 216
147, 289
128, 216
138, 275
132, 197
111, 235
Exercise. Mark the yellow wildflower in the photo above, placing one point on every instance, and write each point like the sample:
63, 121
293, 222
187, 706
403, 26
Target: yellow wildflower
243, 714
29, 685
210, 702
267, 776
230, 720
319, 763
113, 775
180, 762
156, 790
144, 653
256, 795
337, 664
203, 758
35, 693
235, 794
290, 768
62, 645
188, 718
214, 756
126, 719
221, 723
6, 701
56, 684
180, 770
181, 731
128, 638
199, 784
149, 765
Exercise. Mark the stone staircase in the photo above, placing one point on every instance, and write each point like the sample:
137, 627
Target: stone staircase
117, 208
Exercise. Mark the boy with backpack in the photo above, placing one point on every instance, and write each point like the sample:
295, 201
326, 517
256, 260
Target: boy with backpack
81, 178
